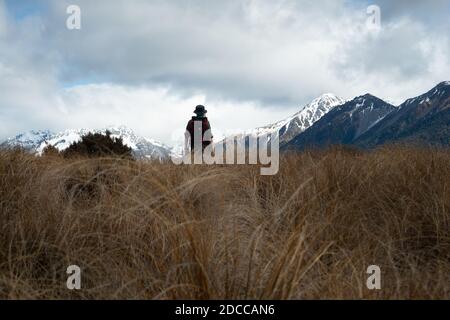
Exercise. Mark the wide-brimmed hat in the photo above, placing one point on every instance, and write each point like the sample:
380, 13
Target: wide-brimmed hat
200, 109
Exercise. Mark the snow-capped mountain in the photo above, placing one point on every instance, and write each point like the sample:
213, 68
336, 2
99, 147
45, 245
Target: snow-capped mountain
368, 122
365, 121
31, 140
424, 119
36, 141
344, 124
302, 120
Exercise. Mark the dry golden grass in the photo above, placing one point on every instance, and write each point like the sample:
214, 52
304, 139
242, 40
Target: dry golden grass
160, 231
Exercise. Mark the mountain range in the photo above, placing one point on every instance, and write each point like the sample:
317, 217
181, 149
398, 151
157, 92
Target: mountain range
36, 141
368, 121
423, 120
345, 123
300, 121
365, 121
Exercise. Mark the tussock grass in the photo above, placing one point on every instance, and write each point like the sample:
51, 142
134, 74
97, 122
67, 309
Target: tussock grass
159, 231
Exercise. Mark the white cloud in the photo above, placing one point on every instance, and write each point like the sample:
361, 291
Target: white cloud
157, 113
251, 62
276, 52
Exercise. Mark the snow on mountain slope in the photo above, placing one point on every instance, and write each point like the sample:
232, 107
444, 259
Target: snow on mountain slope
344, 124
423, 120
29, 140
302, 120
439, 91
36, 141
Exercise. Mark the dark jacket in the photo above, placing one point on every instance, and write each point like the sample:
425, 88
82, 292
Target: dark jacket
205, 127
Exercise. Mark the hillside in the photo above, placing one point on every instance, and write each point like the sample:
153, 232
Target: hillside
160, 231
300, 121
344, 124
368, 122
423, 120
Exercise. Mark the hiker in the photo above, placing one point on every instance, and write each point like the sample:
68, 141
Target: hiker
199, 121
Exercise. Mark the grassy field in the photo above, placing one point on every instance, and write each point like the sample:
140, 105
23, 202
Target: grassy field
159, 231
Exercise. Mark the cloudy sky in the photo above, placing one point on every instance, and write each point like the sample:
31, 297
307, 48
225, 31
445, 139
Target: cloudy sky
147, 63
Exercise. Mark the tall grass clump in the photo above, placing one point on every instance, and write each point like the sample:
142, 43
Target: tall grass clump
148, 230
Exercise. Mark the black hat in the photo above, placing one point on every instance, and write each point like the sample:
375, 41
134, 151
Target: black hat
200, 110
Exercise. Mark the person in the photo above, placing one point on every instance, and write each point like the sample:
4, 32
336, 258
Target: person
203, 123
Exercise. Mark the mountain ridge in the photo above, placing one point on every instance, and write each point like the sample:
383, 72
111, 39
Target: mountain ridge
36, 140
365, 121
423, 120
343, 124
291, 126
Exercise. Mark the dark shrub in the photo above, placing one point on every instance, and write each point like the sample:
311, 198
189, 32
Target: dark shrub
50, 151
98, 145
